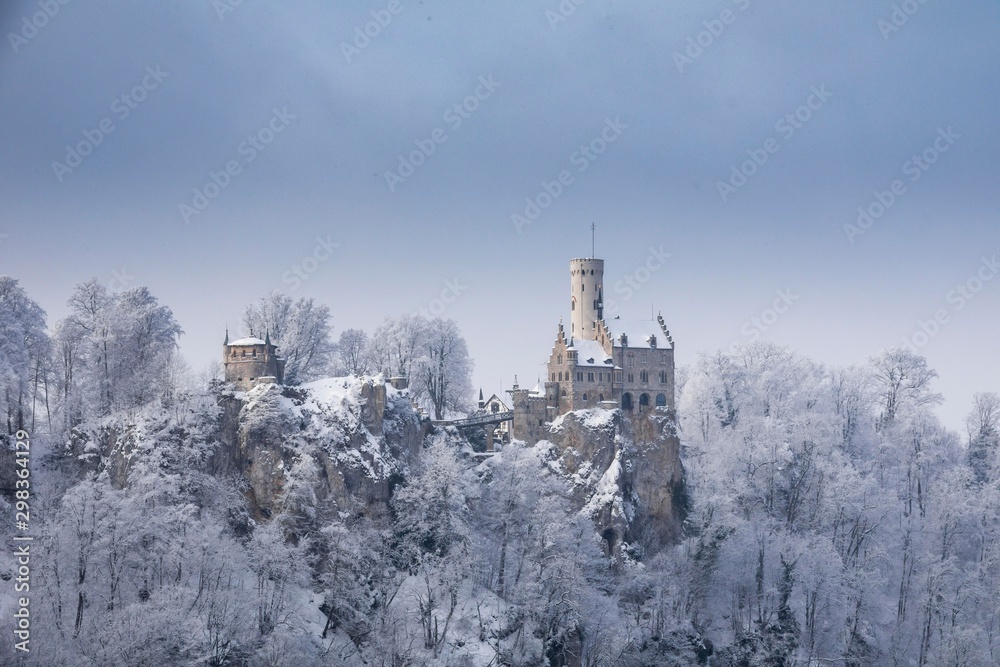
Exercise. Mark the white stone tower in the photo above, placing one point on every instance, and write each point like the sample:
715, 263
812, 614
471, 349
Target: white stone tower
587, 297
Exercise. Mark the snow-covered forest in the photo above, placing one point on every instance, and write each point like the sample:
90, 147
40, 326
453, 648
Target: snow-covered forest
829, 518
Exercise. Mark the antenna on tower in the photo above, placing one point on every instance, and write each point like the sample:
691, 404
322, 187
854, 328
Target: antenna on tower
593, 240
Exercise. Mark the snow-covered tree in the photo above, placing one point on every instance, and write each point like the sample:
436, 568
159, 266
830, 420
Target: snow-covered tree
983, 427
445, 368
352, 352
24, 356
302, 331
117, 351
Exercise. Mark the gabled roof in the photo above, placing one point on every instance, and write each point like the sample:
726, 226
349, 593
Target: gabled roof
498, 399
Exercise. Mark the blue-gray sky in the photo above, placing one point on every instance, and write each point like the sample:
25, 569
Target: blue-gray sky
885, 81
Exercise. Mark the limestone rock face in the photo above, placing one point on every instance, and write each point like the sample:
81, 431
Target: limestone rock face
341, 439
626, 474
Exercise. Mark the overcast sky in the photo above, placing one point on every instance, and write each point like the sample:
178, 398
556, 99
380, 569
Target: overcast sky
310, 115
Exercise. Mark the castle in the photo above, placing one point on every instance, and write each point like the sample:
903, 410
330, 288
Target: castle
627, 364
251, 361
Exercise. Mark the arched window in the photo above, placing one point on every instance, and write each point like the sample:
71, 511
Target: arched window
626, 401
644, 400
661, 401
585, 397
559, 358
600, 398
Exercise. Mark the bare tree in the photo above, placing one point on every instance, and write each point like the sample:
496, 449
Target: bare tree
352, 351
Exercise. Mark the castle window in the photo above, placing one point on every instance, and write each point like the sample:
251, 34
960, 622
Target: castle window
644, 400
600, 398
661, 401
590, 377
631, 360
645, 359
631, 378
560, 376
254, 354
626, 401
618, 376
585, 397
663, 357
572, 306
559, 357
583, 288
643, 376
579, 377
663, 377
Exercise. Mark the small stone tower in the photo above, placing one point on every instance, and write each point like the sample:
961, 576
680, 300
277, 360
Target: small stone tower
586, 297
251, 361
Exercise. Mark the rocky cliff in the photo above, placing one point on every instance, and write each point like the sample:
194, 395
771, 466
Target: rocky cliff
626, 473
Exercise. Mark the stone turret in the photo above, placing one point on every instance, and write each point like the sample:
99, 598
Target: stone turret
251, 361
586, 297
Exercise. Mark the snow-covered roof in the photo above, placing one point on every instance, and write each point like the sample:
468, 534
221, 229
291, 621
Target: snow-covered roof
499, 400
639, 333
250, 340
590, 353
